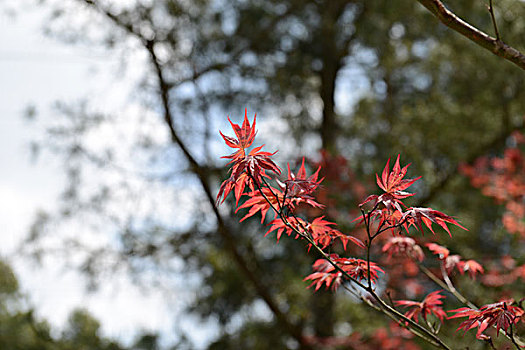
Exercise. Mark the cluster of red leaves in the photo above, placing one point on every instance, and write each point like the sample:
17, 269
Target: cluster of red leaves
326, 273
320, 230
505, 271
502, 314
403, 246
295, 190
250, 169
504, 180
393, 338
387, 208
454, 261
416, 216
246, 168
394, 186
431, 305
300, 186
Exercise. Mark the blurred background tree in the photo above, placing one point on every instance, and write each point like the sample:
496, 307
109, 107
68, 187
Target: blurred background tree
19, 328
362, 80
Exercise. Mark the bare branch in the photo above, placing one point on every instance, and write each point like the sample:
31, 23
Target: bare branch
494, 45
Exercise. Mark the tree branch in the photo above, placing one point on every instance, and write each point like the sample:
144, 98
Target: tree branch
198, 170
494, 45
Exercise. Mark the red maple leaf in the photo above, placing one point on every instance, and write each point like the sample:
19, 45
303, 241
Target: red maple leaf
451, 261
269, 198
320, 231
501, 314
292, 225
357, 268
247, 169
324, 235
326, 273
416, 216
394, 184
245, 135
254, 164
228, 185
431, 305
298, 184
439, 250
470, 266
299, 187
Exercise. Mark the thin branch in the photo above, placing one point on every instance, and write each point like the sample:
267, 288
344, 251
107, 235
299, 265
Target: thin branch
489, 341
401, 324
512, 339
491, 10
453, 289
446, 286
494, 45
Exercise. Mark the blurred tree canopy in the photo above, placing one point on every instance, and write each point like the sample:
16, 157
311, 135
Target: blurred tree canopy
20, 329
363, 80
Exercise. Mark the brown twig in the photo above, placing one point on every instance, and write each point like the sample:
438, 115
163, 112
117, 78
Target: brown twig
512, 339
494, 45
493, 17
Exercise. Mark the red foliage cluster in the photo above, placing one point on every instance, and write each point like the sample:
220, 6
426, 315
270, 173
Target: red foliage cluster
392, 337
394, 186
502, 272
325, 272
504, 180
387, 206
247, 169
431, 305
250, 175
454, 261
502, 315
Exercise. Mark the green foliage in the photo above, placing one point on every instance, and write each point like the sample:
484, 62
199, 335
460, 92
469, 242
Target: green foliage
20, 329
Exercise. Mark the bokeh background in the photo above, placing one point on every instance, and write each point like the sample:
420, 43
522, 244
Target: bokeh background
111, 163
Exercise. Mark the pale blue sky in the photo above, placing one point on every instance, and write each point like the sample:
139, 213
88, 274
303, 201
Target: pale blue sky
37, 71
